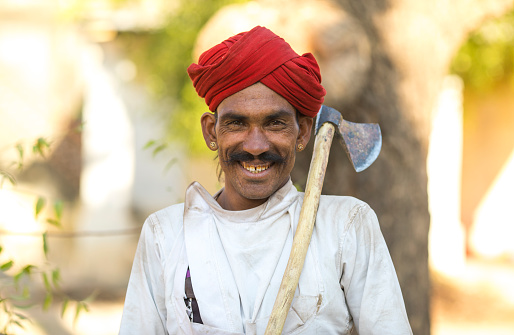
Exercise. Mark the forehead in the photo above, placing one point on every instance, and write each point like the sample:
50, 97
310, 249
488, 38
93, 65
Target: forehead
255, 101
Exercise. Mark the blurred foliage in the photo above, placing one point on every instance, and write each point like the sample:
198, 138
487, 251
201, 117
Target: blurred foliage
487, 57
75, 10
162, 57
18, 288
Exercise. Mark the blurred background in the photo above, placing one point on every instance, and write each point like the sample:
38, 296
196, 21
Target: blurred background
99, 127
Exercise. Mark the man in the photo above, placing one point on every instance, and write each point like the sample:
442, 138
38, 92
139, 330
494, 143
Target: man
234, 246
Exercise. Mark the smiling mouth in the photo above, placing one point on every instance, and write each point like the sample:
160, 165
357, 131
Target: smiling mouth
255, 168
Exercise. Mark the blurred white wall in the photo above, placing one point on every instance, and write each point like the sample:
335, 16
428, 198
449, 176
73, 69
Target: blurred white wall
493, 229
50, 71
444, 165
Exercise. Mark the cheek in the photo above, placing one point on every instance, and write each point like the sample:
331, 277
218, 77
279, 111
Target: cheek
223, 157
225, 144
289, 154
288, 145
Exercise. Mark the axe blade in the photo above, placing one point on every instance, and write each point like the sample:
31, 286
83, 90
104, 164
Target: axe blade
361, 141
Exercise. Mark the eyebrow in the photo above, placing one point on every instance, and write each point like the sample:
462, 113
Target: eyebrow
279, 114
233, 115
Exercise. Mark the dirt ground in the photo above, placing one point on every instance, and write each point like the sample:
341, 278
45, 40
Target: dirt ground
480, 300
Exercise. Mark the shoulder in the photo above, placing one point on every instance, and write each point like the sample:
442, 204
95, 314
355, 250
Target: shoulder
342, 203
342, 208
168, 214
343, 214
165, 223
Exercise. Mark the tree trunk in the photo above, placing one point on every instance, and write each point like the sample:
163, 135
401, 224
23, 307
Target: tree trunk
413, 43
398, 73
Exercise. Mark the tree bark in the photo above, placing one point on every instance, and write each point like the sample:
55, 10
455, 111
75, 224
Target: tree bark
413, 43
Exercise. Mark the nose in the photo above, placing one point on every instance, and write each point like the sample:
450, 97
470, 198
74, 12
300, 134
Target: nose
256, 142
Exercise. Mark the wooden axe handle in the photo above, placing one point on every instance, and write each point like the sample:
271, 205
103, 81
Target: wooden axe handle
303, 233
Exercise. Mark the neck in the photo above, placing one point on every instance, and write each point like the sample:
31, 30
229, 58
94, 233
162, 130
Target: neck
238, 205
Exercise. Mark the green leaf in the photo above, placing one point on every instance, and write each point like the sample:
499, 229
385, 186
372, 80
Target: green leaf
21, 297
26, 271
8, 176
6, 266
36, 149
159, 149
149, 144
40, 146
19, 147
1, 249
170, 163
64, 306
48, 301
81, 306
48, 287
58, 205
17, 277
54, 222
45, 244
56, 277
23, 307
19, 163
26, 293
40, 204
18, 323
21, 316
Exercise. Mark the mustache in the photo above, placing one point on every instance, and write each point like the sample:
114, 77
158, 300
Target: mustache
243, 156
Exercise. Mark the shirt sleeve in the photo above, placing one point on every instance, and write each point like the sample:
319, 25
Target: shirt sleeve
144, 311
369, 279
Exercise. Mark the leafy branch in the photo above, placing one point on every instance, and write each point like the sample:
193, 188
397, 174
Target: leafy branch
18, 281
157, 148
40, 148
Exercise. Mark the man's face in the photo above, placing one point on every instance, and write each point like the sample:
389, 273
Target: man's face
257, 133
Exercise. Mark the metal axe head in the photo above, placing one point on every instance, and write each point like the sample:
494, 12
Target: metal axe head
361, 141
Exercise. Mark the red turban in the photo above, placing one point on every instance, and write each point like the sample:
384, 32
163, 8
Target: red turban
253, 56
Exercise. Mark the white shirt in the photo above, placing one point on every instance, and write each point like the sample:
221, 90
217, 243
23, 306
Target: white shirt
237, 260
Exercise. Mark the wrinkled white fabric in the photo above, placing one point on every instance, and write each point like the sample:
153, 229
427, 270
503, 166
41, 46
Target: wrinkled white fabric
237, 260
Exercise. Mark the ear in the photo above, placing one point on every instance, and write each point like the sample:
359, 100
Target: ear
305, 124
208, 121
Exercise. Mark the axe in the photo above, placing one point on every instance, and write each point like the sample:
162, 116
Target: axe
362, 143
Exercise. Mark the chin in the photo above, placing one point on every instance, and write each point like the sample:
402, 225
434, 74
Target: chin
258, 194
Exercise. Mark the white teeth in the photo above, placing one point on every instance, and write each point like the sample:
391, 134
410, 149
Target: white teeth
255, 168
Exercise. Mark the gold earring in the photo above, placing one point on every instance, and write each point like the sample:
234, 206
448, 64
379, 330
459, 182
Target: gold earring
300, 147
213, 145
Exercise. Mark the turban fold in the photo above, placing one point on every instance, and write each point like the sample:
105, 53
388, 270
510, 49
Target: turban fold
258, 56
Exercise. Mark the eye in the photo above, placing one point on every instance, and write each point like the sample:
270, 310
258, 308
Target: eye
277, 124
234, 125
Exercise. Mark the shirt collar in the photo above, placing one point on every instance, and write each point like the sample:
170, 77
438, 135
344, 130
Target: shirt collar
198, 198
